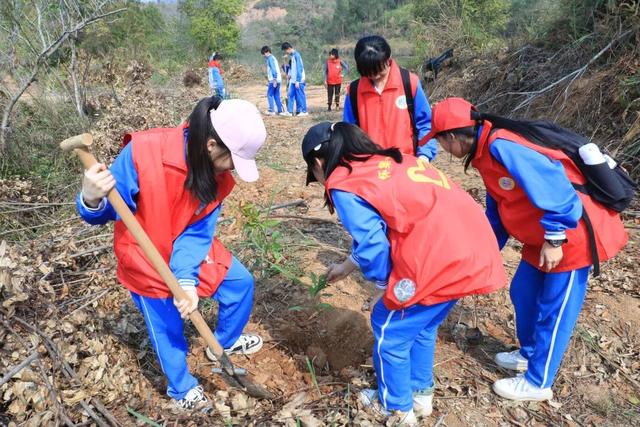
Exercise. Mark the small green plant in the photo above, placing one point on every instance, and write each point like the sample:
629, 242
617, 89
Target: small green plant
318, 284
266, 242
312, 372
261, 235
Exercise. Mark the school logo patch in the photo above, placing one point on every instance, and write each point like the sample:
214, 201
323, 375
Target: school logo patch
401, 102
506, 183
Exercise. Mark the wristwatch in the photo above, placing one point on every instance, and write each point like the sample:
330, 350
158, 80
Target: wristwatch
556, 243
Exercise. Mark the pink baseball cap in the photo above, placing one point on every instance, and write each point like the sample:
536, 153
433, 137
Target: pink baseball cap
240, 127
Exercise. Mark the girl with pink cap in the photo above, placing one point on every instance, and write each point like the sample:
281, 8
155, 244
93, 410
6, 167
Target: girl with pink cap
174, 180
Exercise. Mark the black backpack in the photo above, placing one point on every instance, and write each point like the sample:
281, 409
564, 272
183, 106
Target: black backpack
406, 84
613, 188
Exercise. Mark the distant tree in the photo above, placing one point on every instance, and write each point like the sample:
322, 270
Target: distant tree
212, 23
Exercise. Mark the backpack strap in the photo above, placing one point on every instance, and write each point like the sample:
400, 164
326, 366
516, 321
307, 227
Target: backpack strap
408, 93
353, 98
595, 258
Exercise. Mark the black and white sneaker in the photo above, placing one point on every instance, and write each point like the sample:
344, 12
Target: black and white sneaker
194, 400
246, 344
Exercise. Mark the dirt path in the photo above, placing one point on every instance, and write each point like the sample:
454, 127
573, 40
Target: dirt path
598, 381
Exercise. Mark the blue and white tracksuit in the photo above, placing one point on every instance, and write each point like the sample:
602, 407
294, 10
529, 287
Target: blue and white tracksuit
273, 76
404, 340
234, 295
422, 118
547, 305
216, 83
297, 76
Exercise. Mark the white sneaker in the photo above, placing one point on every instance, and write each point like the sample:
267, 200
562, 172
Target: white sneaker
512, 360
518, 388
270, 113
423, 404
246, 344
284, 113
369, 399
303, 114
194, 400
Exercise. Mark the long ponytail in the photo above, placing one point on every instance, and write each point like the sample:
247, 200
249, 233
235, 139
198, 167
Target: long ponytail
201, 180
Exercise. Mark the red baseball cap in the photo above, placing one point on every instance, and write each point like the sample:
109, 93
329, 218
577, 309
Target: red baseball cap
448, 114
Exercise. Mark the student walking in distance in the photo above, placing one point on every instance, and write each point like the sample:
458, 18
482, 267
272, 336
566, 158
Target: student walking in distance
174, 180
531, 196
387, 101
334, 71
274, 79
420, 238
297, 82
216, 82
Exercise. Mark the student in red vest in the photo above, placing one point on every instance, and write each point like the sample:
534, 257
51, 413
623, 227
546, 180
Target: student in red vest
383, 110
175, 180
420, 238
530, 196
334, 70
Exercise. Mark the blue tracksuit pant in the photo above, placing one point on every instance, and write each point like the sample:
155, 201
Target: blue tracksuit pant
547, 306
235, 299
403, 350
299, 96
273, 97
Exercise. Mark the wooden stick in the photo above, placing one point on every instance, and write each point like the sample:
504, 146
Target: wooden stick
96, 298
305, 218
89, 251
298, 202
33, 356
105, 412
92, 414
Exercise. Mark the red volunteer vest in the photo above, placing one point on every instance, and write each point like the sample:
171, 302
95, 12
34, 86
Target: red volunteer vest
440, 238
521, 218
215, 63
384, 117
164, 209
334, 71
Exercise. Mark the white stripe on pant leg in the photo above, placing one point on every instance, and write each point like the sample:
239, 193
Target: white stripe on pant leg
555, 328
384, 385
153, 332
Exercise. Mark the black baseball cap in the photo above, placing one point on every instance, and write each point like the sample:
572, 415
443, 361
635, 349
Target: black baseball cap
316, 135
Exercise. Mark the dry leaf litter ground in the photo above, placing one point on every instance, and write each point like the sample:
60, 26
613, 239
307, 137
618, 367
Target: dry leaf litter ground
91, 362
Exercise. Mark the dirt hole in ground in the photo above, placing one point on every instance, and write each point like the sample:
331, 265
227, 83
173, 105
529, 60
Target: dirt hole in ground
333, 339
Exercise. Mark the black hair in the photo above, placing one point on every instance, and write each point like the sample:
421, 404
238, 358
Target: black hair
216, 56
334, 52
265, 49
469, 131
371, 55
201, 180
285, 46
530, 130
348, 143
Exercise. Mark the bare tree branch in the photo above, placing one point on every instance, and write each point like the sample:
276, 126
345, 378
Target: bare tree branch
44, 55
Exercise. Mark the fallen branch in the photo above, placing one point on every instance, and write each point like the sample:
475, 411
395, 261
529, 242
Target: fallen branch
574, 75
105, 412
90, 251
298, 202
26, 362
305, 218
96, 298
92, 414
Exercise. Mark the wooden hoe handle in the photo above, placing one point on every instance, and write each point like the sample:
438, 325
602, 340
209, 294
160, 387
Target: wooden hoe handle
80, 144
